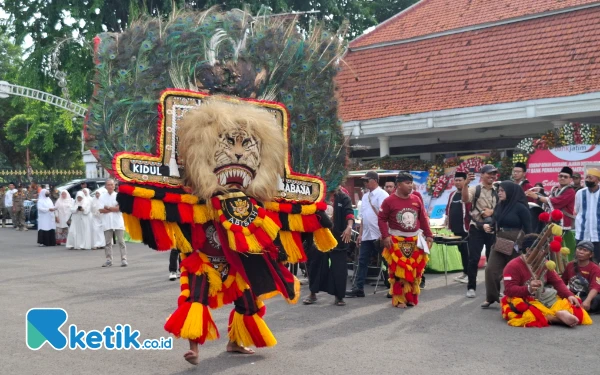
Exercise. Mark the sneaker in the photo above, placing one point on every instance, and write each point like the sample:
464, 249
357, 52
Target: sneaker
355, 293
172, 276
422, 284
124, 263
471, 293
178, 274
463, 279
108, 263
25, 229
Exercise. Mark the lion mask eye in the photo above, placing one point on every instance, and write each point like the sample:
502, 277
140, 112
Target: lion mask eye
230, 141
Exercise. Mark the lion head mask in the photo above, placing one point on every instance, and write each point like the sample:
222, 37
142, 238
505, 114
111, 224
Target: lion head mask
231, 145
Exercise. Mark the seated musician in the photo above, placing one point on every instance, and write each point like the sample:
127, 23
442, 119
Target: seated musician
529, 302
582, 276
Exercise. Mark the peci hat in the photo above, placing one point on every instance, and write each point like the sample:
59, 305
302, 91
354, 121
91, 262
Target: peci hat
576, 175
488, 168
587, 245
521, 165
567, 170
370, 175
460, 175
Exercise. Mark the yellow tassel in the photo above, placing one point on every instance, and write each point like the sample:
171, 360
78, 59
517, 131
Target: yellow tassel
193, 325
290, 247
228, 281
324, 240
185, 293
184, 280
143, 193
241, 283
178, 239
253, 245
158, 211
239, 334
295, 223
270, 227
296, 292
215, 284
132, 226
308, 209
201, 214
231, 239
526, 318
189, 199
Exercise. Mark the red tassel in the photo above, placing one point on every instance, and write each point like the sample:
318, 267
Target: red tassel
192, 263
397, 288
578, 313
186, 213
198, 236
263, 238
311, 223
274, 216
175, 322
240, 242
557, 215
163, 242
544, 217
142, 208
321, 206
285, 207
558, 239
172, 198
262, 311
126, 189
555, 246
254, 331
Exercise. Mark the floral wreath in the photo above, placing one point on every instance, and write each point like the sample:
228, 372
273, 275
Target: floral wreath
438, 181
567, 135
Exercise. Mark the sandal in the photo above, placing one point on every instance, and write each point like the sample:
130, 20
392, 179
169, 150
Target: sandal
339, 302
309, 300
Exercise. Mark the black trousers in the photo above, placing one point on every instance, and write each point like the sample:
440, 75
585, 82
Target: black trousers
174, 260
326, 277
464, 251
477, 239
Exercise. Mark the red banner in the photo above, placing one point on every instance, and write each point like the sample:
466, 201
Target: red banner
544, 165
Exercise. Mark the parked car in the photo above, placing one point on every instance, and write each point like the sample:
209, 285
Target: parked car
74, 186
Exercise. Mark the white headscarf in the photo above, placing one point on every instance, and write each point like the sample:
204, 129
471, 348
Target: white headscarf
63, 209
85, 202
44, 202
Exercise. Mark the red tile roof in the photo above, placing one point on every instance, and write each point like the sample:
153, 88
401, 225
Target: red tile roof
433, 16
540, 58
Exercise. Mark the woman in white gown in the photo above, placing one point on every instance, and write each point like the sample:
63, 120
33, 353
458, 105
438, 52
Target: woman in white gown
46, 220
80, 236
63, 214
98, 240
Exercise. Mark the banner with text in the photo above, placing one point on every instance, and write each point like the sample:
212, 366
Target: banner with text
544, 165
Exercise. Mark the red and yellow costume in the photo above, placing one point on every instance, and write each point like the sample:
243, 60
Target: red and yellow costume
521, 309
406, 221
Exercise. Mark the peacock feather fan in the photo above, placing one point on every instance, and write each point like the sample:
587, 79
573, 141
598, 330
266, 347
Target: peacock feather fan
266, 57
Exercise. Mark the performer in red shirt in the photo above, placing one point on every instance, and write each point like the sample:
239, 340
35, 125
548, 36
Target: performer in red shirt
527, 304
583, 277
403, 223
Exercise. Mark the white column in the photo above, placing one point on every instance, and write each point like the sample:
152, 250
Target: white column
384, 146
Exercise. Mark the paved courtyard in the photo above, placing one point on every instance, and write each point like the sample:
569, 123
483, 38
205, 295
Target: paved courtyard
445, 334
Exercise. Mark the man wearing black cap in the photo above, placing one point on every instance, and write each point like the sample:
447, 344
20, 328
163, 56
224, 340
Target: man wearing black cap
562, 198
483, 199
582, 276
458, 219
369, 230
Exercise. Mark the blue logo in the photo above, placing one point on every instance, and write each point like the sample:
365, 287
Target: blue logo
43, 325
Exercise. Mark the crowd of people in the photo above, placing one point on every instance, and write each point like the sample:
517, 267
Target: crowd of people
492, 215
86, 222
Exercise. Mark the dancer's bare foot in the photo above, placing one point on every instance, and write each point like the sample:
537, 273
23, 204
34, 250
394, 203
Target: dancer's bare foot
233, 347
567, 318
192, 357
401, 305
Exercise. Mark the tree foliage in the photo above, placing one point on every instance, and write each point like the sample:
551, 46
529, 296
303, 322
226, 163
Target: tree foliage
71, 25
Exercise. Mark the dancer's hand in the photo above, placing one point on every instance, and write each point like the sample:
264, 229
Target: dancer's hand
586, 305
387, 242
429, 241
574, 301
347, 234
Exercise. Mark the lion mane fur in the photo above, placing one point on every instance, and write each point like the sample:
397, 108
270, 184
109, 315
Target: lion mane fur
199, 132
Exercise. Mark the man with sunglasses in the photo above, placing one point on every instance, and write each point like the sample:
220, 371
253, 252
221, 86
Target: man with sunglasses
562, 198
